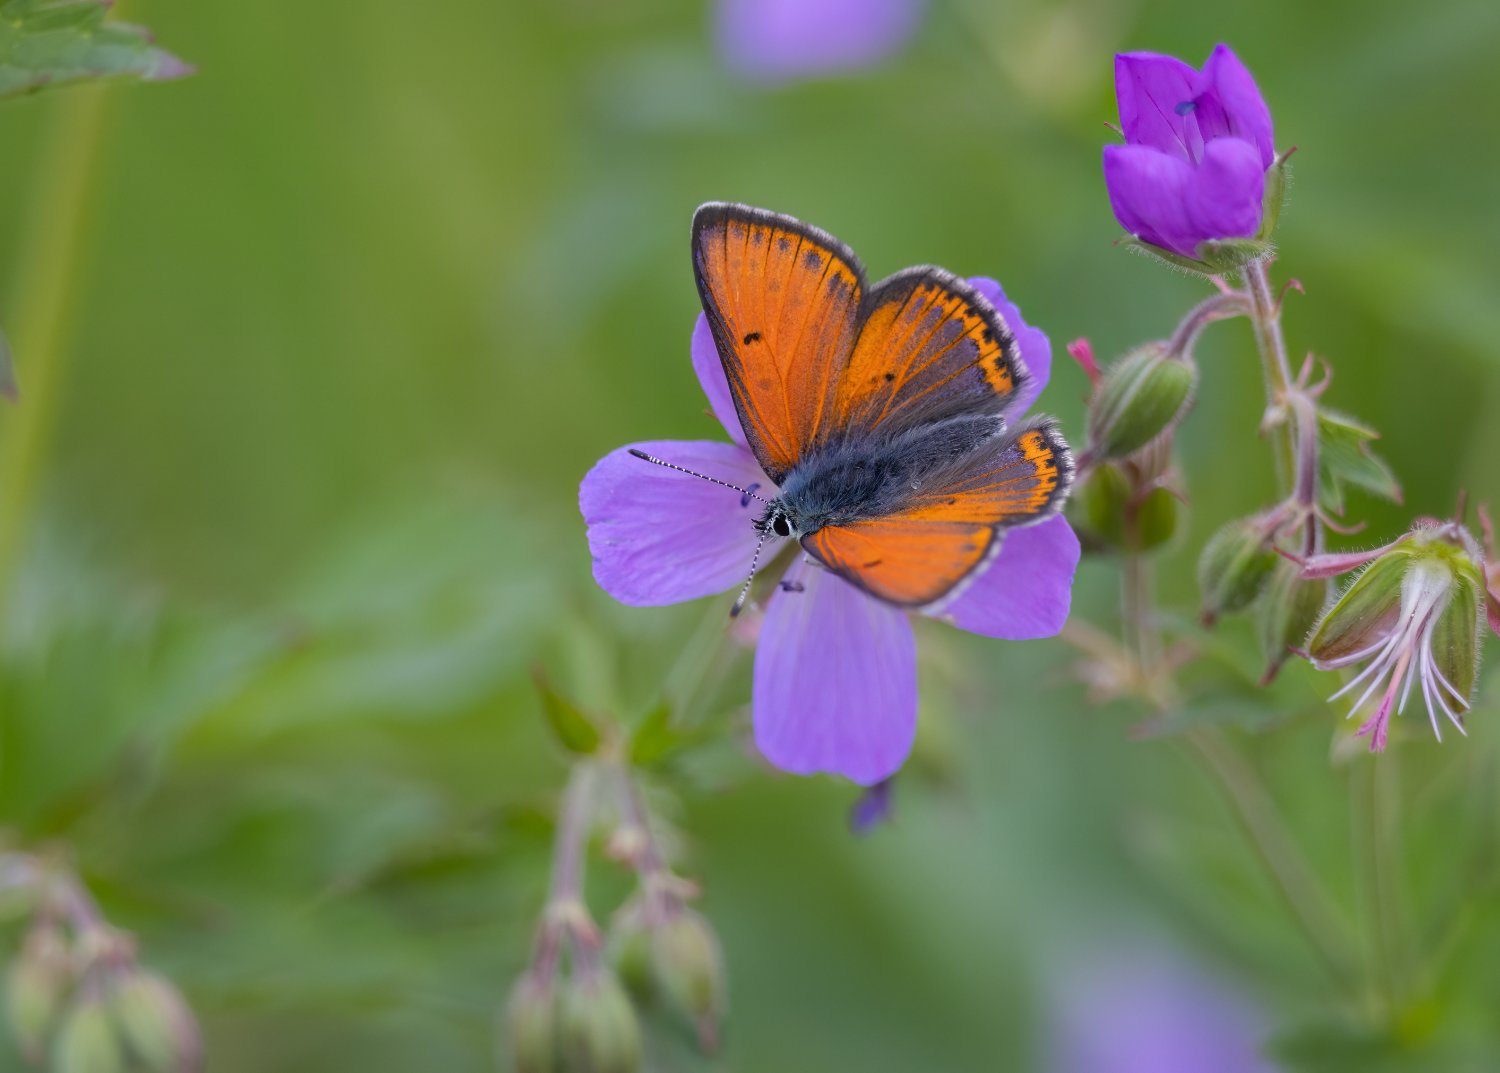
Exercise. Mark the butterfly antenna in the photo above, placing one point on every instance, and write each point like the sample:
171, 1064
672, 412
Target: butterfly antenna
739, 601
748, 493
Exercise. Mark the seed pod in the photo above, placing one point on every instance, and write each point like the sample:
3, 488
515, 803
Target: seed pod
88, 1042
600, 1032
689, 964
1287, 614
1097, 508
1156, 518
158, 1028
530, 1027
1141, 396
1235, 568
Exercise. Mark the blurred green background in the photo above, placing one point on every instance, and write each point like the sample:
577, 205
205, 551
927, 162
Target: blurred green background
346, 316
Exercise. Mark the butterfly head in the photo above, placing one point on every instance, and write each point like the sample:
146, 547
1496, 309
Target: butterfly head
776, 521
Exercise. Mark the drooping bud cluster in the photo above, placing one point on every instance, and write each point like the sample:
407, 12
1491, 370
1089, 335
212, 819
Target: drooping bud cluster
573, 1010
76, 993
1413, 616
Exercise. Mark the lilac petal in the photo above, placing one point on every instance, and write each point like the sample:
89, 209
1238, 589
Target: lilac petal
1228, 103
710, 372
873, 808
1035, 347
835, 680
776, 40
1225, 195
1147, 190
1026, 592
1155, 94
660, 537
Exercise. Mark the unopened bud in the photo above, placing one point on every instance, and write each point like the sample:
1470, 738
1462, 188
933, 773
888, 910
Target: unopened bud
1234, 568
600, 1032
1287, 614
630, 950
531, 1026
1097, 506
1141, 396
689, 964
156, 1024
88, 1042
1155, 519
38, 984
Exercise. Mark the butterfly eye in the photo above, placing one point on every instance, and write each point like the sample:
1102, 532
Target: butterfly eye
780, 526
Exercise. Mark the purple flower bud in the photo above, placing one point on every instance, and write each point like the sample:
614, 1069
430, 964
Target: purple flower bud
1198, 145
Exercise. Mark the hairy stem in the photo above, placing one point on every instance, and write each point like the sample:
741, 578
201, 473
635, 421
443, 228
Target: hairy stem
51, 258
567, 917
1219, 307
1305, 899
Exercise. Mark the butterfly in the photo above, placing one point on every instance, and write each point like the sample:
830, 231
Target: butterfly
878, 411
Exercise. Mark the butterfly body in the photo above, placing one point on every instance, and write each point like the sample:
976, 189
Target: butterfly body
849, 481
881, 412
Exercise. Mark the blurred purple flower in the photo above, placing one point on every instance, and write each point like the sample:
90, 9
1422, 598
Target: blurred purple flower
1146, 1012
780, 40
1198, 144
873, 808
835, 683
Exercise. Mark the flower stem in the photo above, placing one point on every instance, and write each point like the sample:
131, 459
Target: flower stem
52, 252
1219, 307
1292, 408
567, 917
1305, 899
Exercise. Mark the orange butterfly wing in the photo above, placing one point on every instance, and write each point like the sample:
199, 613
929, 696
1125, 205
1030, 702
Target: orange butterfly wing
941, 536
783, 300
930, 346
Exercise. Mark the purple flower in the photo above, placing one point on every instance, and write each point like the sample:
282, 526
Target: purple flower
779, 40
835, 683
1145, 1011
1198, 144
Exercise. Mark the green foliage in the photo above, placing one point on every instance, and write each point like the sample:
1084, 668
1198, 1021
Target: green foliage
52, 42
1345, 458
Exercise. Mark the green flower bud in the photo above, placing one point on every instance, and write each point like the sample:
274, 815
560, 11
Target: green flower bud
38, 985
600, 1032
531, 1026
1291, 606
154, 1021
1155, 519
630, 951
1097, 507
1234, 568
1141, 396
88, 1041
689, 965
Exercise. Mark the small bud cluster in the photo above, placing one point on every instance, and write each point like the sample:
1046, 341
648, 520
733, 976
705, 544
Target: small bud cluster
575, 1009
76, 998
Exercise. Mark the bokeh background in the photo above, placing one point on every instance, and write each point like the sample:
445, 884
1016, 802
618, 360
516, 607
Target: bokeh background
315, 346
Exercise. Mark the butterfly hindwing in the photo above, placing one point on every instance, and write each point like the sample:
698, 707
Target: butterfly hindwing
930, 346
922, 549
783, 300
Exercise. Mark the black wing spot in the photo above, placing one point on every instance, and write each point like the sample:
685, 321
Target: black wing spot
988, 336
783, 244
872, 562
752, 337
889, 377
812, 260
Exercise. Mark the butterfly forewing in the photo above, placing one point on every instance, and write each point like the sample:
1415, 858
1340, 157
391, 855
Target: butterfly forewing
783, 301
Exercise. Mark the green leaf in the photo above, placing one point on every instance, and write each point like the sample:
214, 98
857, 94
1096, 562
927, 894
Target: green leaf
654, 738
1345, 458
52, 42
575, 731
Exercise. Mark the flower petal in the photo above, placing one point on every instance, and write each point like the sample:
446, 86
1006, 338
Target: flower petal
775, 40
710, 372
1227, 103
660, 537
1027, 591
1035, 347
835, 680
1147, 190
1152, 90
1225, 195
